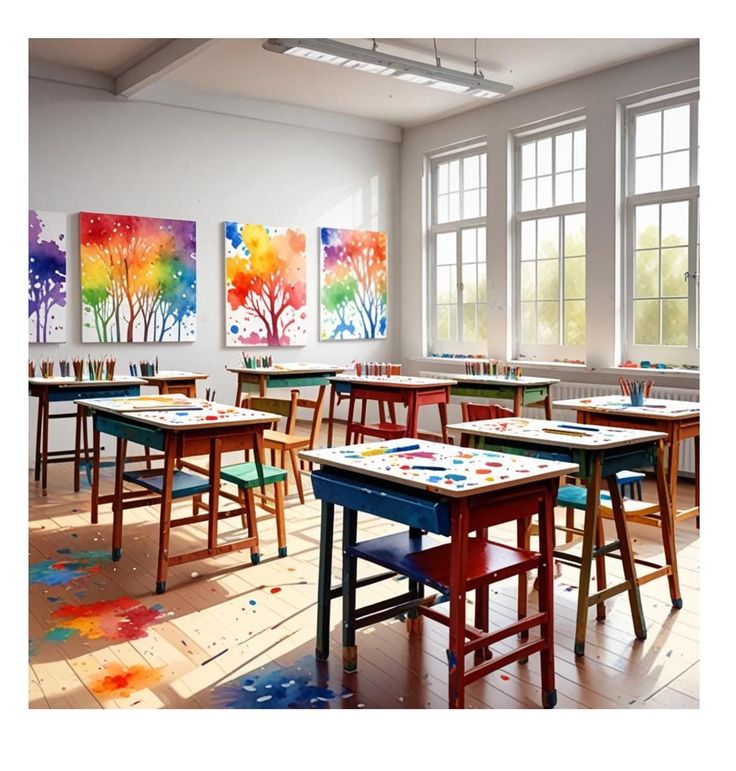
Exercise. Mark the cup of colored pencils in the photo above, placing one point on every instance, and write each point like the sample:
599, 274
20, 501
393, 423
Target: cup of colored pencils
110, 368
47, 367
636, 390
63, 367
97, 368
31, 368
78, 367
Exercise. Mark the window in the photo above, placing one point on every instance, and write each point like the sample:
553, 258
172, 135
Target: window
457, 251
550, 244
662, 260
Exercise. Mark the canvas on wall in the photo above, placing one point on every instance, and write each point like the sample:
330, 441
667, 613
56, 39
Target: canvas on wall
266, 285
354, 284
139, 279
46, 277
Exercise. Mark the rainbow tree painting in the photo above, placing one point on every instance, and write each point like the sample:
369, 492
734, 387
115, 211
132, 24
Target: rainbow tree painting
139, 279
353, 284
46, 277
266, 284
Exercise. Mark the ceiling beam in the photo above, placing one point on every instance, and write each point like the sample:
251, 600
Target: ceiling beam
159, 64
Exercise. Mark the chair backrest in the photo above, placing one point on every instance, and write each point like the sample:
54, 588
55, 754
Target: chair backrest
471, 411
285, 407
316, 405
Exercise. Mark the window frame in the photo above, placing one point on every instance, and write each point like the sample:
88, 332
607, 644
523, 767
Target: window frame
686, 354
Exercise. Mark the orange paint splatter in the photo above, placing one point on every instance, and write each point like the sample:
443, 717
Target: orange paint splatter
120, 619
120, 682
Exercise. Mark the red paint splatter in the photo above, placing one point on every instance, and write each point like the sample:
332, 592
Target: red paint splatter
120, 619
275, 590
505, 677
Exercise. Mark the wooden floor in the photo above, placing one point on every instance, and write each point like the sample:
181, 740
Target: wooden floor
230, 634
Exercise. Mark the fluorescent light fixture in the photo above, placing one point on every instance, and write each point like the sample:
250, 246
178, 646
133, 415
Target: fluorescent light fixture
370, 60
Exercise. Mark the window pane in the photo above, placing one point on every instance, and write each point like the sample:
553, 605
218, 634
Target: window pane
563, 188
574, 235
481, 253
646, 274
446, 246
575, 278
648, 132
453, 211
482, 169
674, 267
646, 322
544, 192
452, 314
441, 208
548, 236
579, 149
443, 322
483, 202
528, 323
647, 227
470, 284
471, 172
528, 195
563, 152
548, 323
481, 283
677, 128
469, 333
482, 325
528, 281
470, 240
648, 174
578, 188
446, 284
442, 178
675, 224
548, 278
528, 160
676, 170
529, 240
674, 322
471, 204
575, 322
544, 156
454, 175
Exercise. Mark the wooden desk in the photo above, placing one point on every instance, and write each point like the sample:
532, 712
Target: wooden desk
281, 376
677, 420
522, 391
599, 453
171, 382
414, 392
212, 429
67, 389
391, 480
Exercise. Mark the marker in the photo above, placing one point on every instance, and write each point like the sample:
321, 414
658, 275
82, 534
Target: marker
428, 468
578, 428
559, 431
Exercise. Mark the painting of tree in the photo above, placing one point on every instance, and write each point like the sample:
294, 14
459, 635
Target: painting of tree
266, 285
354, 273
139, 279
46, 277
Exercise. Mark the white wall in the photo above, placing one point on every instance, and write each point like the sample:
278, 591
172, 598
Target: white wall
597, 96
90, 151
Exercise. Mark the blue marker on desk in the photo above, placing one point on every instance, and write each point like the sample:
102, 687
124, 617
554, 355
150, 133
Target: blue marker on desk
576, 427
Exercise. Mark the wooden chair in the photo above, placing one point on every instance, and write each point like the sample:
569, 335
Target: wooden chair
356, 431
472, 412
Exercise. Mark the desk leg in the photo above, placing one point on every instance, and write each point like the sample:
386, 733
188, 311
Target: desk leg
696, 439
39, 432
331, 416
442, 407
349, 577
481, 608
412, 415
458, 572
673, 467
45, 446
548, 406
95, 473
517, 401
165, 522
215, 458
546, 592
77, 445
117, 501
237, 393
667, 520
327, 532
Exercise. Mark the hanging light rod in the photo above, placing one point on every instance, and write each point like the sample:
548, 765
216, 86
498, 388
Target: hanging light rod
371, 60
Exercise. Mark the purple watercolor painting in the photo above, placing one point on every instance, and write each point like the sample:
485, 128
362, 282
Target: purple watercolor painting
46, 277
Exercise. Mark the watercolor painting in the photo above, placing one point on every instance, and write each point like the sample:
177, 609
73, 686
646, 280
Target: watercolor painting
121, 619
266, 285
139, 280
46, 277
120, 682
354, 284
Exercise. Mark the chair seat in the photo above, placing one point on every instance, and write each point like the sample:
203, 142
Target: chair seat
184, 483
245, 475
281, 439
575, 497
627, 477
381, 430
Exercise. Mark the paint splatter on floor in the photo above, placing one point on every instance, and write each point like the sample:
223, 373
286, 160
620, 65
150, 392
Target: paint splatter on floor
120, 682
275, 590
65, 571
277, 688
120, 619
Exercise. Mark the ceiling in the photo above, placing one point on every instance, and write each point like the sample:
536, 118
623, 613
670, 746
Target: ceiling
241, 68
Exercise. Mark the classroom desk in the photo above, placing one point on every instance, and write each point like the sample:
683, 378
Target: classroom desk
414, 392
68, 389
599, 453
172, 382
522, 391
678, 420
252, 380
210, 429
375, 478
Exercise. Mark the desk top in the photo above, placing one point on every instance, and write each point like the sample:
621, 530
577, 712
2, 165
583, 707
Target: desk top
517, 382
555, 433
396, 381
137, 403
164, 375
202, 414
72, 382
621, 405
289, 369
438, 468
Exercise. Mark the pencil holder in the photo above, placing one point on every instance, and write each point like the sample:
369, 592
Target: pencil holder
637, 398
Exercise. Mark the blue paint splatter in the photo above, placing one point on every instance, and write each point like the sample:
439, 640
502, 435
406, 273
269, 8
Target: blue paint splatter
234, 329
61, 572
456, 477
251, 602
279, 688
59, 634
434, 479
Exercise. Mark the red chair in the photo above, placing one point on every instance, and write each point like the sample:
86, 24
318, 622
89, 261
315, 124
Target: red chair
356, 431
472, 412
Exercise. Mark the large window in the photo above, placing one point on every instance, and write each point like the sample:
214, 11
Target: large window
662, 262
457, 250
550, 244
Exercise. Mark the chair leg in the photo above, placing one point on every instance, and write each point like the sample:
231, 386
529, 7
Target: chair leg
600, 567
282, 464
280, 518
297, 474
569, 523
255, 554
245, 513
638, 490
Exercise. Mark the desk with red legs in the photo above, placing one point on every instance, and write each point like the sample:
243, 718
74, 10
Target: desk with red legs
173, 382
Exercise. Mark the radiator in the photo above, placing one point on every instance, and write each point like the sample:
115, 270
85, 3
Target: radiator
581, 390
